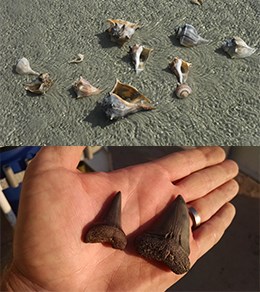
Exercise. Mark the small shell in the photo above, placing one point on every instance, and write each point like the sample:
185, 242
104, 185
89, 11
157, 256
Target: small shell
139, 56
120, 30
40, 85
83, 88
183, 90
189, 36
78, 59
123, 100
180, 68
23, 67
237, 48
197, 2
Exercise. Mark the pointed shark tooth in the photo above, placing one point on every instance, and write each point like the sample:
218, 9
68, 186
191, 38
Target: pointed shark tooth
109, 230
168, 240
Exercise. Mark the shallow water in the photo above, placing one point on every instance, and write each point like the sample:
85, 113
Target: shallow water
223, 109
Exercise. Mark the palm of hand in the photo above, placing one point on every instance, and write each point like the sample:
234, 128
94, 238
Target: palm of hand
60, 206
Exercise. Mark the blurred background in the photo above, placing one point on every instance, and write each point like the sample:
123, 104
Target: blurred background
232, 265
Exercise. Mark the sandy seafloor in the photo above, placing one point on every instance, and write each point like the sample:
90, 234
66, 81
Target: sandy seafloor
223, 109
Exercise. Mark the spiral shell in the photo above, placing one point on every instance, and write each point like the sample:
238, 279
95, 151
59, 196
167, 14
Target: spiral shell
40, 85
180, 68
189, 36
237, 48
83, 88
139, 55
124, 99
183, 90
120, 30
23, 67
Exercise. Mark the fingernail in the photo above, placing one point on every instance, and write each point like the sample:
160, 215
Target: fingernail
109, 230
168, 239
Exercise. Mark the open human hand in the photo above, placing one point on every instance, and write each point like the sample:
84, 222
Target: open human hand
57, 202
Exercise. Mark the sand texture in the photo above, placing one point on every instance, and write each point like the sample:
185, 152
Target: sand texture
223, 109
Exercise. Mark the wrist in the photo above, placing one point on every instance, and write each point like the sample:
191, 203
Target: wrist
14, 281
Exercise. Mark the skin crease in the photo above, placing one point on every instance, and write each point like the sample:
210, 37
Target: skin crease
57, 202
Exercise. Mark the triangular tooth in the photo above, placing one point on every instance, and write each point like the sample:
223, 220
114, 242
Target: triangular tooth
175, 223
168, 240
113, 215
109, 229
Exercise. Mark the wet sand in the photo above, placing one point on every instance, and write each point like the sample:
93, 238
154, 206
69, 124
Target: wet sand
224, 106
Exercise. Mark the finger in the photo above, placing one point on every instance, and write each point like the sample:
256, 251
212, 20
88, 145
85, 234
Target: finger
58, 156
209, 233
208, 205
204, 181
181, 164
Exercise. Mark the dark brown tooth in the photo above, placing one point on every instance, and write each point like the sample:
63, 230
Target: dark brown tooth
168, 239
109, 230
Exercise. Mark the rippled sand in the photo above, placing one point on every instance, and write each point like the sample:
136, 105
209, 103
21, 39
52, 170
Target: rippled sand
224, 106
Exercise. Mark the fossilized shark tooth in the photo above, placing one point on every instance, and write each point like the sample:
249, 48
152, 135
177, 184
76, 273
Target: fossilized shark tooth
120, 30
140, 55
110, 229
23, 67
40, 85
180, 68
83, 88
168, 239
188, 36
123, 100
237, 48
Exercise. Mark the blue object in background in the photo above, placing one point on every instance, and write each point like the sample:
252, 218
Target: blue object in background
16, 158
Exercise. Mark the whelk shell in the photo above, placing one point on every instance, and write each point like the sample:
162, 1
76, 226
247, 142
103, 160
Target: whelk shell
83, 88
23, 67
123, 100
180, 68
237, 48
183, 90
40, 85
188, 36
120, 30
140, 55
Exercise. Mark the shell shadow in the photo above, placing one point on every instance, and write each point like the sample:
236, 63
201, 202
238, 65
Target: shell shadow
104, 40
97, 117
220, 51
175, 41
14, 70
167, 70
127, 60
31, 94
72, 92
